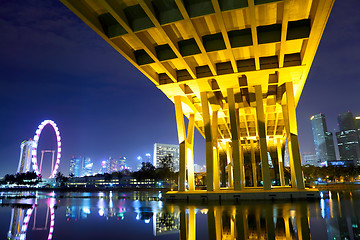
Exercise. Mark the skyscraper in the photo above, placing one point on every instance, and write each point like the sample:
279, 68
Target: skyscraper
348, 138
323, 140
26, 149
75, 166
162, 150
310, 159
112, 165
87, 167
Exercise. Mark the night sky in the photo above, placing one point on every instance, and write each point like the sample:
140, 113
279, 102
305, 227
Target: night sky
53, 66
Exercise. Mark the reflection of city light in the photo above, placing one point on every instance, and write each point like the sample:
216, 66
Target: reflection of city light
204, 211
138, 216
147, 220
322, 207
86, 210
101, 212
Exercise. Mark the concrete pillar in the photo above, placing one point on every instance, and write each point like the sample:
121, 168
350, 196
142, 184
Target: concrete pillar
209, 142
214, 127
186, 145
292, 135
281, 162
190, 152
230, 165
182, 143
253, 162
235, 140
262, 138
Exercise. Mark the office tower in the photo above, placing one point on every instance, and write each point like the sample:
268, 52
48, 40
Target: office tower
112, 165
26, 149
162, 150
75, 166
357, 125
348, 139
87, 167
122, 163
310, 159
323, 140
103, 168
148, 157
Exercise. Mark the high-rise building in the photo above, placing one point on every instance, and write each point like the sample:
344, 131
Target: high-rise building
357, 125
87, 167
26, 149
148, 157
162, 150
323, 140
75, 166
112, 165
348, 138
122, 163
310, 159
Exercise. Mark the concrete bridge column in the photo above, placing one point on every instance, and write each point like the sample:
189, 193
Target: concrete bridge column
292, 136
214, 127
262, 138
235, 140
230, 165
281, 163
186, 156
209, 142
253, 163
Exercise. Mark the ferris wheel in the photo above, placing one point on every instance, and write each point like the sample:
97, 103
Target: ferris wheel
35, 145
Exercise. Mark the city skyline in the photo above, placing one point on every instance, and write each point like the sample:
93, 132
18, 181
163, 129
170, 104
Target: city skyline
97, 83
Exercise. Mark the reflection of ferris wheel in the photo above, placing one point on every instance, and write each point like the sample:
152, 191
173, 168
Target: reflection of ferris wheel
35, 145
27, 220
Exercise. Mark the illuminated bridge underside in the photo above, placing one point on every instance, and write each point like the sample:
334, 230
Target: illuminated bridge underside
235, 69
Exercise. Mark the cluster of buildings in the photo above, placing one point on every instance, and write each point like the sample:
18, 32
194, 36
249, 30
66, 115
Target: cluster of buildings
80, 167
348, 141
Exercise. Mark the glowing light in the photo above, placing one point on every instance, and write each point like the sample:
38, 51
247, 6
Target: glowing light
147, 220
36, 139
312, 117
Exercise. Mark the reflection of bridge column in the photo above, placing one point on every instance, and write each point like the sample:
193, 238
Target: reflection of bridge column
262, 138
302, 222
241, 224
270, 228
186, 144
292, 138
214, 223
235, 140
183, 223
192, 224
187, 232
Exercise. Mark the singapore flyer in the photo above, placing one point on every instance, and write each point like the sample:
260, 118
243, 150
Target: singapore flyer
35, 145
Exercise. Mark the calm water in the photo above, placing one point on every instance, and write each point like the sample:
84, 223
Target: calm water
142, 215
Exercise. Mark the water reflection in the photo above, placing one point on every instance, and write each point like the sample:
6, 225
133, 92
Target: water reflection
20, 219
335, 216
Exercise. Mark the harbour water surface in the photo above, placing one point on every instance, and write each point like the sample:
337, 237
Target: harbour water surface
143, 215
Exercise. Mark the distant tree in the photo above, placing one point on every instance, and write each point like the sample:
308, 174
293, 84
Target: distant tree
147, 171
61, 179
167, 162
165, 171
107, 177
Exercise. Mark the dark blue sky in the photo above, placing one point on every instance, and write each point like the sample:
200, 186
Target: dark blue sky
53, 66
